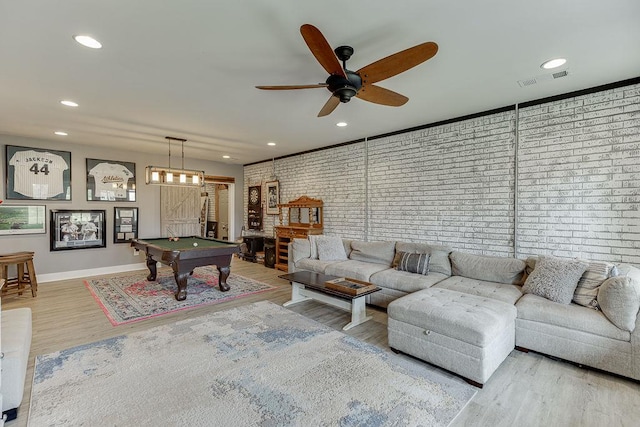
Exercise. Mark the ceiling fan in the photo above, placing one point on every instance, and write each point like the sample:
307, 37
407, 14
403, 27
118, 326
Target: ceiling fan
345, 84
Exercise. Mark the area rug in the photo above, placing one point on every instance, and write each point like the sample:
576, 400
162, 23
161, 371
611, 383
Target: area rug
131, 297
254, 365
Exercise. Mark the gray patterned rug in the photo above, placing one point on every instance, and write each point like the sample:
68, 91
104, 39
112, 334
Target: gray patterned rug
256, 365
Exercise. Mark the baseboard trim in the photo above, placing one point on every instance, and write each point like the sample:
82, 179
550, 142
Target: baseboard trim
76, 274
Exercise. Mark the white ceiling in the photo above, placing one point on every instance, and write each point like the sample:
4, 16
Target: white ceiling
188, 68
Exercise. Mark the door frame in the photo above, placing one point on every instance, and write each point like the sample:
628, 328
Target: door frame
231, 183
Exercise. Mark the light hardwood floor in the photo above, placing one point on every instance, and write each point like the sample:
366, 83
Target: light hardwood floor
528, 389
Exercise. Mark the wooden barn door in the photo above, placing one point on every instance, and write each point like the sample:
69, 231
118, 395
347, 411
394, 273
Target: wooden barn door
180, 211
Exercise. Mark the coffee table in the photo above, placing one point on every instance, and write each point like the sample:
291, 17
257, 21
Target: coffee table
307, 285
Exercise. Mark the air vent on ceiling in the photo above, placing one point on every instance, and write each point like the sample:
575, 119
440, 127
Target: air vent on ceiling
542, 78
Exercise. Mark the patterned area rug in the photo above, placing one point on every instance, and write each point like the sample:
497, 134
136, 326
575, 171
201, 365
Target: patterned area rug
129, 298
254, 365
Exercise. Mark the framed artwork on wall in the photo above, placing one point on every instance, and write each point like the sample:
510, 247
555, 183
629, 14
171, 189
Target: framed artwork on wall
37, 174
125, 225
111, 181
273, 197
77, 229
20, 219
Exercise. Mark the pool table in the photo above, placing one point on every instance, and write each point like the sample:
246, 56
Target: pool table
182, 256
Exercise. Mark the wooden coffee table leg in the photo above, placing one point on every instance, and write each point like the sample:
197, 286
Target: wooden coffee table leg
358, 313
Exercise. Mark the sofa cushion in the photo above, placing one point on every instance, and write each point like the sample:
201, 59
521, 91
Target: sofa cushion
301, 249
314, 265
587, 290
405, 282
359, 270
572, 317
438, 255
555, 278
330, 248
487, 268
498, 291
376, 252
413, 263
619, 300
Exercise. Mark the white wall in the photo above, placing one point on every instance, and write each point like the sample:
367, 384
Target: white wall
577, 190
147, 200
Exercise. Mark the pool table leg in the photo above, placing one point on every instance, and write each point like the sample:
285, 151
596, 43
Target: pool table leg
153, 272
224, 273
181, 280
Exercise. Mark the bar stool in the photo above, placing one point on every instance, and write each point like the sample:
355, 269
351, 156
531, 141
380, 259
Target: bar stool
24, 277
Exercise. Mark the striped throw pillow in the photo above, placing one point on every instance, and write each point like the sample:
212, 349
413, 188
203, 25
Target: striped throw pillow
587, 291
413, 263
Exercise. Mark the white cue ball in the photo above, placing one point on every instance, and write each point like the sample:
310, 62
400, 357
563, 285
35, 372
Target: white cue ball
195, 243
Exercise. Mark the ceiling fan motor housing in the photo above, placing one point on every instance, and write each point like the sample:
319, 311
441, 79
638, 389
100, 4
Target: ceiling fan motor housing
342, 88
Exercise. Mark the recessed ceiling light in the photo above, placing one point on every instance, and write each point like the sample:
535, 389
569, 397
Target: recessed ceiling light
88, 42
69, 103
553, 63
271, 143
226, 157
59, 132
341, 124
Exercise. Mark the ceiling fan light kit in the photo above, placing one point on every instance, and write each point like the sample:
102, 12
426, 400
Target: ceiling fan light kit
161, 175
345, 84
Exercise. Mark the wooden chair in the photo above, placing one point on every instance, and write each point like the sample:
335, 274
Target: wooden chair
25, 273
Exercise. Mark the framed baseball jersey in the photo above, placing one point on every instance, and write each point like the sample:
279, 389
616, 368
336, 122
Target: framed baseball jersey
37, 173
111, 181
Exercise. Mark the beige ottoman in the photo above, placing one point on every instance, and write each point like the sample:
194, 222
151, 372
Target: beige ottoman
462, 333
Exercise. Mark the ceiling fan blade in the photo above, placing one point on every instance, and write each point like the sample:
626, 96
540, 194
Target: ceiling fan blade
380, 95
328, 108
289, 87
397, 63
321, 49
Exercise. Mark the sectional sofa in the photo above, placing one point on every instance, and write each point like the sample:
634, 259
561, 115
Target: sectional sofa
465, 312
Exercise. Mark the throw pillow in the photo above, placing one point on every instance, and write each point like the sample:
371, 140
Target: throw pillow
330, 248
438, 255
314, 247
587, 290
301, 249
619, 300
413, 263
555, 278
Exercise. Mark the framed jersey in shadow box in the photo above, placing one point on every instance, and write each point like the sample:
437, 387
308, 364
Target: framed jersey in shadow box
37, 174
111, 181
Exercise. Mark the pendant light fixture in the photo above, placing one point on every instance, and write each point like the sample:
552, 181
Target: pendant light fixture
160, 175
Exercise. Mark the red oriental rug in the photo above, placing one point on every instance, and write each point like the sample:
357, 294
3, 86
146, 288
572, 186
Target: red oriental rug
131, 297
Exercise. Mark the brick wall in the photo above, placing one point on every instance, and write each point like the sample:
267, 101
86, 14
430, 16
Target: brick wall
578, 181
451, 184
335, 176
579, 177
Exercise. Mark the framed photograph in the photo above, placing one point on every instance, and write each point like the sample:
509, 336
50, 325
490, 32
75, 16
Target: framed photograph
18, 219
273, 197
77, 229
111, 181
37, 174
125, 225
